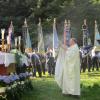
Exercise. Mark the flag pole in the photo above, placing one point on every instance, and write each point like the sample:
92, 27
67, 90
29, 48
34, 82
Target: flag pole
3, 32
95, 32
9, 44
54, 24
65, 24
69, 26
84, 29
39, 21
39, 24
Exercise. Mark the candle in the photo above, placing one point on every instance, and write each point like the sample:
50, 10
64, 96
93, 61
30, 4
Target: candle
3, 32
8, 40
19, 38
16, 42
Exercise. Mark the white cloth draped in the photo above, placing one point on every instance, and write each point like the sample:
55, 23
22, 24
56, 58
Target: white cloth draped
59, 67
7, 58
67, 72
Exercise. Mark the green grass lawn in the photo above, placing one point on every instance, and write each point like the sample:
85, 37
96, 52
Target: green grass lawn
46, 88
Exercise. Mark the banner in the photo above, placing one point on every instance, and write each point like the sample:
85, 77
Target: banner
97, 36
41, 48
55, 39
67, 32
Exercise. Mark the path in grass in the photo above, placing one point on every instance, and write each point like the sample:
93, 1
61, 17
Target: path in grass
47, 89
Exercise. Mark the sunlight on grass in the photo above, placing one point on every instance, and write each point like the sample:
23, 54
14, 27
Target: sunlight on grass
46, 88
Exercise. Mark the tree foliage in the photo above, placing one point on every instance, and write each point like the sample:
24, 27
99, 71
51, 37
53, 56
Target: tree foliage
75, 10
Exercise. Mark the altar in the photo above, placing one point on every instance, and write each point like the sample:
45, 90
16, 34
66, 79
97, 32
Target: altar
7, 63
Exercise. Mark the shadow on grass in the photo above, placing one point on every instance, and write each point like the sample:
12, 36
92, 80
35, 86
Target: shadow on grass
94, 74
52, 76
46, 89
90, 92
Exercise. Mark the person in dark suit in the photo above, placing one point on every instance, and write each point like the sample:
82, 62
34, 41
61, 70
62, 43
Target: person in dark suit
95, 62
43, 62
36, 65
50, 62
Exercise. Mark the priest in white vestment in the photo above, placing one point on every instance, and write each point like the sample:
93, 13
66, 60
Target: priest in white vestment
67, 71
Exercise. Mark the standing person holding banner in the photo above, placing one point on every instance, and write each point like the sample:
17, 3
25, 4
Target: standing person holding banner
67, 72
